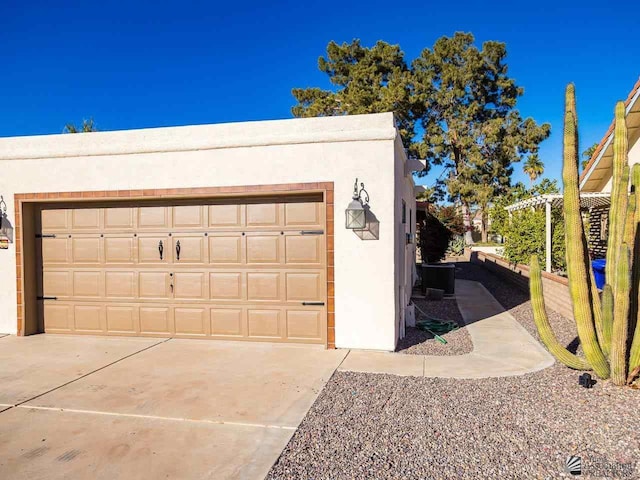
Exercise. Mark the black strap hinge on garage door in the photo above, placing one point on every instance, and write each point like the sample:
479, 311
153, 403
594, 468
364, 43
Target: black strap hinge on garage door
43, 235
47, 298
312, 232
309, 304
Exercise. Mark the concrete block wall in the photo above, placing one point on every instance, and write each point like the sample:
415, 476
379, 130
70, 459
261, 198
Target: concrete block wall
597, 244
556, 288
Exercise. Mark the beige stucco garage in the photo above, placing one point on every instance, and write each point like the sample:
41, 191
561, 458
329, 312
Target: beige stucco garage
232, 231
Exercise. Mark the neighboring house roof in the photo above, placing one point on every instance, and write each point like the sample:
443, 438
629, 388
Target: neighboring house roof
476, 219
424, 206
600, 167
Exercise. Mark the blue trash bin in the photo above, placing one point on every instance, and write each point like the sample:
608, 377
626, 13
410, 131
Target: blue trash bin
598, 271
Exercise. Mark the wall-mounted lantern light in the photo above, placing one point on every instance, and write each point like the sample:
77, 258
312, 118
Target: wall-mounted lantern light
6, 229
355, 213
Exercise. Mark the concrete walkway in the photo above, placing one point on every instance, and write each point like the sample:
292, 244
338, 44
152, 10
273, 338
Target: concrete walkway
501, 346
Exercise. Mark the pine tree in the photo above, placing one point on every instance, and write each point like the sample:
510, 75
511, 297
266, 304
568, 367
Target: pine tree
455, 106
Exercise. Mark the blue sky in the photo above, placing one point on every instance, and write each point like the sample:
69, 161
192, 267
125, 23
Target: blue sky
142, 64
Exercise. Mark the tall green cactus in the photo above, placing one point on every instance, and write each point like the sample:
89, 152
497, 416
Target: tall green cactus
607, 318
624, 231
634, 308
542, 322
597, 309
635, 183
577, 256
619, 335
634, 355
630, 222
618, 191
603, 325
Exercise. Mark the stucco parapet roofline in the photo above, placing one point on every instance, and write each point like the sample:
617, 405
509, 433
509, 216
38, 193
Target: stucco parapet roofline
351, 128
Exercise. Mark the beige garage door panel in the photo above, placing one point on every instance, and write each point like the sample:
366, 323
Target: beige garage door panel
224, 270
119, 249
152, 218
153, 249
250, 216
119, 219
247, 321
174, 285
227, 248
86, 219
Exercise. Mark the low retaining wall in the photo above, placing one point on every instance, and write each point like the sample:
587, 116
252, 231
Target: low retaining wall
486, 249
556, 288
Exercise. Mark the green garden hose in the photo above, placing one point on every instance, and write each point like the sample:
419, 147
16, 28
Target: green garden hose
434, 326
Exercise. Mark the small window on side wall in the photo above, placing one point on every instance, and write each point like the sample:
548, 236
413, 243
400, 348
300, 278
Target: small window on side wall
404, 212
410, 221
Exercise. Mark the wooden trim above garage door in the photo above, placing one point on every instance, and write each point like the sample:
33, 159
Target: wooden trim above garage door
26, 271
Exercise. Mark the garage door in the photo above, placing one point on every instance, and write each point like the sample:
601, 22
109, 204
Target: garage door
226, 270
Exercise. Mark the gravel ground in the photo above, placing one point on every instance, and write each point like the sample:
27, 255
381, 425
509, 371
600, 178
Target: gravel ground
388, 427
418, 342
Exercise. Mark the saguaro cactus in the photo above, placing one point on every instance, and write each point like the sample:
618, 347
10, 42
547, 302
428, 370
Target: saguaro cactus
603, 326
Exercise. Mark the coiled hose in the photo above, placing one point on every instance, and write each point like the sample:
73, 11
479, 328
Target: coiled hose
435, 326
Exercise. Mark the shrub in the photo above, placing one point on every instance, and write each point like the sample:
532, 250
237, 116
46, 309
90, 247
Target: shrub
558, 259
456, 246
525, 236
500, 217
434, 239
450, 218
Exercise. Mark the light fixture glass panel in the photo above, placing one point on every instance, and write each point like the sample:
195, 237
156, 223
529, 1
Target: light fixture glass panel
355, 215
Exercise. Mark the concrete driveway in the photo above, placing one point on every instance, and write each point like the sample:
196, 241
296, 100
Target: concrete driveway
112, 407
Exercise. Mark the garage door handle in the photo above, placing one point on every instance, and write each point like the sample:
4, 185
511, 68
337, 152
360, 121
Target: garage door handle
312, 232
178, 249
160, 249
47, 298
309, 304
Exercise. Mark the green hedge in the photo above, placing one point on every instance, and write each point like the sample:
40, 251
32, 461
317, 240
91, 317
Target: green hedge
525, 237
434, 239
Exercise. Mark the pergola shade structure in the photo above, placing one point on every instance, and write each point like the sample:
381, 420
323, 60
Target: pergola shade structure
588, 201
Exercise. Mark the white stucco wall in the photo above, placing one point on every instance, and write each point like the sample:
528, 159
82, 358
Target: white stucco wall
607, 187
634, 153
336, 149
405, 253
